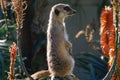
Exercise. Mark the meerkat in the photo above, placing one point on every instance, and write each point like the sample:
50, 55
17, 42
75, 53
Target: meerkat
59, 48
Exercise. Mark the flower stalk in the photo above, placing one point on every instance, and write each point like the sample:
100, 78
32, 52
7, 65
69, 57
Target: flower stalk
13, 52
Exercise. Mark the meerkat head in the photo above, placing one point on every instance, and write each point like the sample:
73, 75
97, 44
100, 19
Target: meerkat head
62, 10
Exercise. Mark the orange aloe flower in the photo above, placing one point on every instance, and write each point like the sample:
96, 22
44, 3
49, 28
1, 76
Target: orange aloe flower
13, 52
107, 33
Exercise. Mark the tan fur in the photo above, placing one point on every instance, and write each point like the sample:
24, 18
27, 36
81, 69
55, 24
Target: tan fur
41, 74
59, 48
60, 62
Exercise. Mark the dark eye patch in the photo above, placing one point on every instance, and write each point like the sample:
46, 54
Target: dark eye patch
67, 8
57, 12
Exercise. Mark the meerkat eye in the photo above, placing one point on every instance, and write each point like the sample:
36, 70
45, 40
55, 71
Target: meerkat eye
67, 8
57, 12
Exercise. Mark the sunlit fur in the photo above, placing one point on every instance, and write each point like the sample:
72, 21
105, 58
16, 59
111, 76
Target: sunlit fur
59, 48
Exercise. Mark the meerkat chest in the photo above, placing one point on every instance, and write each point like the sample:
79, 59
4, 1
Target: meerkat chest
65, 32
62, 29
65, 35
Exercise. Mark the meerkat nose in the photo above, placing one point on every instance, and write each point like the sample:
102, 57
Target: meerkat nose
74, 11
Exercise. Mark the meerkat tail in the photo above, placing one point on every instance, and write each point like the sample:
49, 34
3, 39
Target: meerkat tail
40, 74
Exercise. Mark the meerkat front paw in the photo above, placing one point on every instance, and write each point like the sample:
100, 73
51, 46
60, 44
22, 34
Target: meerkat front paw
69, 44
70, 51
69, 47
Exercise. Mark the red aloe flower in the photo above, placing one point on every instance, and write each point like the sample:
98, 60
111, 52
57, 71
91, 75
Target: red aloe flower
107, 32
13, 52
108, 40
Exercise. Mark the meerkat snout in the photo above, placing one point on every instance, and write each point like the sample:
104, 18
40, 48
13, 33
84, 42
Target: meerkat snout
69, 10
63, 10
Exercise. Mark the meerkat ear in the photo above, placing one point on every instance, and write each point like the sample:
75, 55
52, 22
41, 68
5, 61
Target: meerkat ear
57, 12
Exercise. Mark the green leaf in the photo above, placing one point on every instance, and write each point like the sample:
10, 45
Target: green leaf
43, 79
2, 31
12, 27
